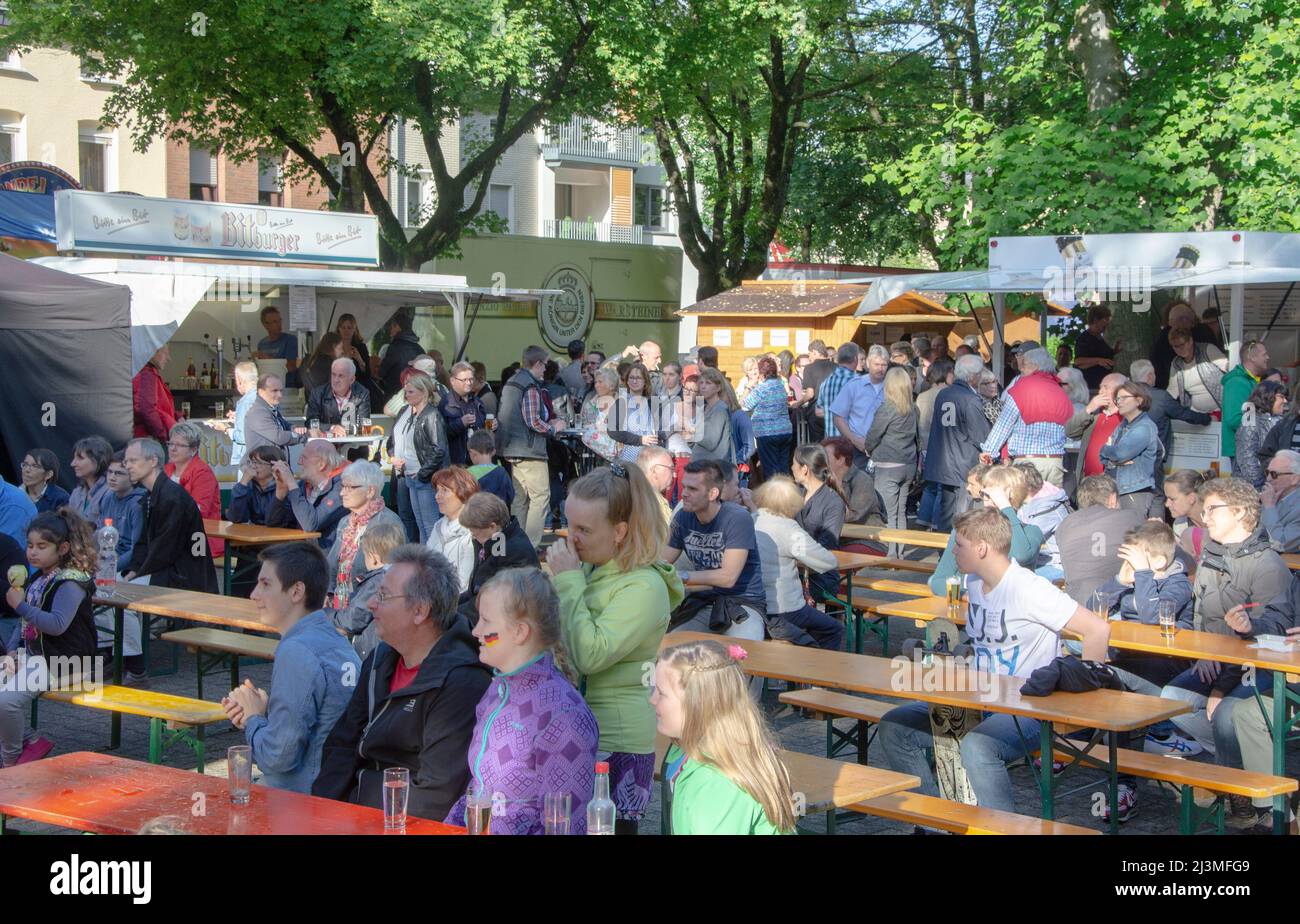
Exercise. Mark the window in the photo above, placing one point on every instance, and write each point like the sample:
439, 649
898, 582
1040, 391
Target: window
563, 200
95, 157
270, 183
650, 207
12, 147
499, 201
9, 59
414, 202
93, 71
203, 174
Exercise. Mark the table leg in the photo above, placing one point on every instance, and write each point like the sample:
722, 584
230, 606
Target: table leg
1112, 779
228, 567
1279, 748
119, 633
1045, 753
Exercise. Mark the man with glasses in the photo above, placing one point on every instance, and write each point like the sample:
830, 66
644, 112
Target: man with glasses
340, 403
1281, 501
264, 425
657, 465
462, 412
416, 696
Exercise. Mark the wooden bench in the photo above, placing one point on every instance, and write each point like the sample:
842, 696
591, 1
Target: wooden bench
215, 648
1187, 775
829, 705
171, 718
959, 818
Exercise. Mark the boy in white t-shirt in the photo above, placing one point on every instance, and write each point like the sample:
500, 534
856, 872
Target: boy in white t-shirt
1014, 623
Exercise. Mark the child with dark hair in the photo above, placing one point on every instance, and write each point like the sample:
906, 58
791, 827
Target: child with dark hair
491, 477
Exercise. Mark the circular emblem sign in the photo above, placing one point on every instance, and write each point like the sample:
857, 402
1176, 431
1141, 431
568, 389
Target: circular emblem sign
569, 315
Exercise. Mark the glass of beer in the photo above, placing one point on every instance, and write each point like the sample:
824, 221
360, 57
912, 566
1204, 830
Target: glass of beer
478, 809
490, 421
954, 597
1168, 618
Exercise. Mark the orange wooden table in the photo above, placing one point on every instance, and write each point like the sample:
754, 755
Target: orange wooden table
241, 534
1292, 561
101, 794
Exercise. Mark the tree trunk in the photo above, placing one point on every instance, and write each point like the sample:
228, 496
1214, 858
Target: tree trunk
1093, 43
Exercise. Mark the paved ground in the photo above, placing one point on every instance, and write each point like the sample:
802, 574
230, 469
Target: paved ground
74, 728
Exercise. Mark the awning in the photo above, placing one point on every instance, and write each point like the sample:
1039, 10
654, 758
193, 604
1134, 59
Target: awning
164, 293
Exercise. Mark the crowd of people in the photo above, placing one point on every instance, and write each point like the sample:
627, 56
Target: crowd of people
658, 496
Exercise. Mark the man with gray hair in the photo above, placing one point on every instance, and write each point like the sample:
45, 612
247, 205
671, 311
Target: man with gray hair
845, 371
462, 412
957, 428
246, 385
1280, 501
415, 699
854, 408
1031, 425
340, 403
316, 504
1093, 427
657, 464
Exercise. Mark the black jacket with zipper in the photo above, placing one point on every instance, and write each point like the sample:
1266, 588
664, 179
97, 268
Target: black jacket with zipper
425, 727
430, 438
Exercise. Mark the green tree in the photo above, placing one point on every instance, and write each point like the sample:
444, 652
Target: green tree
293, 74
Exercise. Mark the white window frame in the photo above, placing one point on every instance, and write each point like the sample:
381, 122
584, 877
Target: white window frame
14, 124
272, 162
12, 61
107, 139
663, 206
92, 76
212, 159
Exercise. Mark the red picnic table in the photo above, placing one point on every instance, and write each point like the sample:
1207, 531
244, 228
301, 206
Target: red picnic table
102, 794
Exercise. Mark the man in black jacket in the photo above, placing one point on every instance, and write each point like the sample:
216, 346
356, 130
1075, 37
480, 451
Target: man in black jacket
957, 429
403, 348
173, 548
415, 701
341, 402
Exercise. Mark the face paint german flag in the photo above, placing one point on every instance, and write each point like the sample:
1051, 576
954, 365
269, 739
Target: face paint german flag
491, 639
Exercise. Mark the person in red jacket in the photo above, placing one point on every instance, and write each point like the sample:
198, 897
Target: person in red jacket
194, 475
155, 409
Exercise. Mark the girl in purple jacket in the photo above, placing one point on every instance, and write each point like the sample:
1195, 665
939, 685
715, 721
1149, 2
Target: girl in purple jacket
534, 733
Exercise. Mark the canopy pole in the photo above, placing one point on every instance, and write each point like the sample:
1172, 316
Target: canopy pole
460, 349
1236, 323
1278, 313
999, 316
978, 326
457, 302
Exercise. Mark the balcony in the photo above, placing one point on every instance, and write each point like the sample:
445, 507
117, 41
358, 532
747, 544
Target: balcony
590, 141
577, 229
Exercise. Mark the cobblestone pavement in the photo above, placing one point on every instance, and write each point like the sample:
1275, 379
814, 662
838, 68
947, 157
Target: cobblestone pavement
75, 728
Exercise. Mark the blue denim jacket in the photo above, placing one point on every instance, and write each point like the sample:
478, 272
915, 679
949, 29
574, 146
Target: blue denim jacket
1130, 457
314, 677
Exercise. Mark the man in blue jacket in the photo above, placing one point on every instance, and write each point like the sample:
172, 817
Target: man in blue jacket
956, 432
314, 676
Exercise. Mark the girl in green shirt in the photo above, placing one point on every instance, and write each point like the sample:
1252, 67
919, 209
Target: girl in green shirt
723, 768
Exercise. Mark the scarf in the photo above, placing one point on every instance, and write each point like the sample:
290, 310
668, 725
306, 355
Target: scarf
349, 541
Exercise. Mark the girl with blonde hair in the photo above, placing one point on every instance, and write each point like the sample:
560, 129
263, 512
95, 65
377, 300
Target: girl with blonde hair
533, 733
615, 597
722, 767
893, 443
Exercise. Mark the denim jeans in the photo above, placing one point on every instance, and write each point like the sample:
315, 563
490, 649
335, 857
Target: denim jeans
929, 507
1218, 731
985, 751
823, 629
424, 505
946, 507
402, 497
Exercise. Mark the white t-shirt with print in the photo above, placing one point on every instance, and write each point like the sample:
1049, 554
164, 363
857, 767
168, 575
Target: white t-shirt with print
1016, 627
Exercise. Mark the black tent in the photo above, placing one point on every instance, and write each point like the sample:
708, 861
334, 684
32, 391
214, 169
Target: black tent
65, 360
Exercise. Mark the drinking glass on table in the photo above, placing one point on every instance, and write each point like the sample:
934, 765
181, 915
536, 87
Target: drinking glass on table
478, 809
397, 790
239, 759
314, 426
1168, 618
556, 812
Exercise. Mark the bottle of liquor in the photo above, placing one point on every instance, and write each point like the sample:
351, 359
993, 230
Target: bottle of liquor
600, 810
203, 377
189, 370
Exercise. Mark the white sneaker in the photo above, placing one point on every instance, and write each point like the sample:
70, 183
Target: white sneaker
1173, 746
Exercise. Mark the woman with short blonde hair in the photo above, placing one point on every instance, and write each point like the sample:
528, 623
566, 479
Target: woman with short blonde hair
893, 442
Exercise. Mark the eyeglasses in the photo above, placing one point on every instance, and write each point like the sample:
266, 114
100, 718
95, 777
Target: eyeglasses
462, 378
1273, 474
1210, 508
30, 466
384, 596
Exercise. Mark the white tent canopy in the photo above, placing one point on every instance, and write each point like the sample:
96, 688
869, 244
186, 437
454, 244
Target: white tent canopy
1068, 268
163, 293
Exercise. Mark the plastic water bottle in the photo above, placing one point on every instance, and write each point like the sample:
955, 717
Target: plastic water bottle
600, 810
106, 569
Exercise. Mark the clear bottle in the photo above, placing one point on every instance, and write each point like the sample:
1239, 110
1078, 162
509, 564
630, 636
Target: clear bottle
106, 560
600, 810
203, 377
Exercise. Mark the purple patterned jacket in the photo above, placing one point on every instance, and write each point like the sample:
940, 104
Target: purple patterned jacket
534, 735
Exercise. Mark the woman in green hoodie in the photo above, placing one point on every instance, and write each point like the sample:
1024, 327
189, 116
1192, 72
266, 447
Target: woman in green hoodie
615, 597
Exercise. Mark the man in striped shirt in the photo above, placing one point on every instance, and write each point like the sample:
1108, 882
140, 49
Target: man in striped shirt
845, 371
1035, 410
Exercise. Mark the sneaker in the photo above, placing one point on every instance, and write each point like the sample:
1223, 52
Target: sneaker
1057, 766
1172, 746
1241, 813
130, 679
35, 750
1126, 801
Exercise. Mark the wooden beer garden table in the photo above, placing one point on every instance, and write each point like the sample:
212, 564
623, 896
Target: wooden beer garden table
1292, 561
246, 534
102, 794
945, 683
1186, 643
917, 537
189, 605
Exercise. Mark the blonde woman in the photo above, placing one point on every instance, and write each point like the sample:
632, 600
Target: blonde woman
893, 443
722, 767
1004, 488
784, 545
749, 377
615, 597
713, 434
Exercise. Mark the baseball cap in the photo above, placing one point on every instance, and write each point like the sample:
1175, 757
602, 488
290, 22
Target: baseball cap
1025, 346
